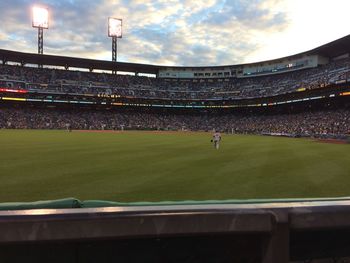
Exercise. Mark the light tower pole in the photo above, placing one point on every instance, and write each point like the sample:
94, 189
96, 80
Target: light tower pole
40, 40
115, 32
114, 49
40, 20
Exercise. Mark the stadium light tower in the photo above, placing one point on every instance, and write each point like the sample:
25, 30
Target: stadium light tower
115, 32
40, 20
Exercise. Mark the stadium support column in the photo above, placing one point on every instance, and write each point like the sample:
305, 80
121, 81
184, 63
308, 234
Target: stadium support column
114, 51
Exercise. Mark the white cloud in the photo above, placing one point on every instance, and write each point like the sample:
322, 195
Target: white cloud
312, 23
179, 32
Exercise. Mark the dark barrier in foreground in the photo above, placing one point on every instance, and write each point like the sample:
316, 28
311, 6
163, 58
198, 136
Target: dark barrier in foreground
50, 204
273, 232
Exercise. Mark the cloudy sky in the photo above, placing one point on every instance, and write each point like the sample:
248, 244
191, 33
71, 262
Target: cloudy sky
178, 32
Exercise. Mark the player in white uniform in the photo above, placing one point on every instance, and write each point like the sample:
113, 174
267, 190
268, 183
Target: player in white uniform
216, 140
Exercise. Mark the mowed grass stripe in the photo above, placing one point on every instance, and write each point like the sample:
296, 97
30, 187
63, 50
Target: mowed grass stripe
141, 166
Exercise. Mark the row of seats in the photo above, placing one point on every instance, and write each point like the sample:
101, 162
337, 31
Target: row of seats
66, 81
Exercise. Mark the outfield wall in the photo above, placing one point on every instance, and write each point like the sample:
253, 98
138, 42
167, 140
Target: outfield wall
212, 231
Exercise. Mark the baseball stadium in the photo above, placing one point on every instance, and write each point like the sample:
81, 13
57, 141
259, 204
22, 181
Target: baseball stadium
236, 163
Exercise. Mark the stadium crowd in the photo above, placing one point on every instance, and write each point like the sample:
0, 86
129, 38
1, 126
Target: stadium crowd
66, 81
298, 124
78, 82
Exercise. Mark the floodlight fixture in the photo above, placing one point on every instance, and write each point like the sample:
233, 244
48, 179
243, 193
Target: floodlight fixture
40, 20
114, 27
115, 32
40, 17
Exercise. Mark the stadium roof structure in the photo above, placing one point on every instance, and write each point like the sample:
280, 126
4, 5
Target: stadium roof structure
333, 49
52, 60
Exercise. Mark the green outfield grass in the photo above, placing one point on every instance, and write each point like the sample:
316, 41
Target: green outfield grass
139, 166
